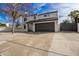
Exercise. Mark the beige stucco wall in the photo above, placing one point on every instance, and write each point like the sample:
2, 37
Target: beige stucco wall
77, 27
57, 26
31, 26
51, 15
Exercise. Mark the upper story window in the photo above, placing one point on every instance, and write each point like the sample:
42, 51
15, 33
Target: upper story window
45, 15
25, 19
35, 16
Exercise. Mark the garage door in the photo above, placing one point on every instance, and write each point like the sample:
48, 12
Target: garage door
45, 27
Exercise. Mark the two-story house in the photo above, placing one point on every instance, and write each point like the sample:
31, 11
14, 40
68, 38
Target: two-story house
42, 22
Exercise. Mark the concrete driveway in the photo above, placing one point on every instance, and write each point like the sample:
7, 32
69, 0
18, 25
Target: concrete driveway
40, 44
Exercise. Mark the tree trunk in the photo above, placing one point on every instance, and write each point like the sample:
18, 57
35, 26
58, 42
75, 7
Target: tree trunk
76, 20
13, 27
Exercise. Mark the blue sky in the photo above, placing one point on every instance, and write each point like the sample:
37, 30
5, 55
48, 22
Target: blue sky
62, 8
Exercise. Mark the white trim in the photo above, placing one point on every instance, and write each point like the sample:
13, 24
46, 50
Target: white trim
44, 22
55, 22
26, 27
33, 29
56, 27
77, 27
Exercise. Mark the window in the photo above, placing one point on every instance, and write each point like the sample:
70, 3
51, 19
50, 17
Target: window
25, 19
45, 15
24, 26
34, 17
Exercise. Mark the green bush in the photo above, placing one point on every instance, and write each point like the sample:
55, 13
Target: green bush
2, 25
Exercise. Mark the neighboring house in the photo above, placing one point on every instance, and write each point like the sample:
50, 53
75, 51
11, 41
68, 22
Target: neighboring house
7, 24
42, 22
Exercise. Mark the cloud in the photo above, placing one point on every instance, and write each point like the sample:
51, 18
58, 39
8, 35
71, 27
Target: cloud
65, 9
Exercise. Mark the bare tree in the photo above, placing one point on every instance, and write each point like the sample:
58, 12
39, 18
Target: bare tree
12, 11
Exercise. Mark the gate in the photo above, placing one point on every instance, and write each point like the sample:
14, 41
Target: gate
68, 27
